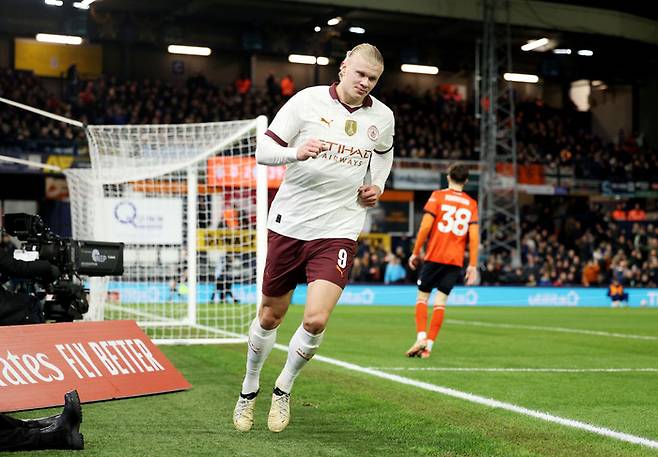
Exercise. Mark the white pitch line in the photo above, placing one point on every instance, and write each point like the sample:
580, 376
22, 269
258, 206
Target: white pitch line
487, 401
523, 370
554, 329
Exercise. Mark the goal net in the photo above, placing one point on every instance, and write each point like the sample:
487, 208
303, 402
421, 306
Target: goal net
190, 204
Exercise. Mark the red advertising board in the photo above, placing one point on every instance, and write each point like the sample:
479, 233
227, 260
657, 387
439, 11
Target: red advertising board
240, 172
102, 360
527, 174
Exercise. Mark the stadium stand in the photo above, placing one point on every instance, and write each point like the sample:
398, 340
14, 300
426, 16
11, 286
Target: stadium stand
434, 125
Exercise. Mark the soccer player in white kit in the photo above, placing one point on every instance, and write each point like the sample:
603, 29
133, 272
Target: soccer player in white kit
337, 143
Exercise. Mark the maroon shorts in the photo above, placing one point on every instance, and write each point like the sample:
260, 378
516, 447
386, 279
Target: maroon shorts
291, 261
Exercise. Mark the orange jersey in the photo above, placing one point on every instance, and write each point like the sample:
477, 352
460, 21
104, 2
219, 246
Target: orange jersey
453, 213
616, 290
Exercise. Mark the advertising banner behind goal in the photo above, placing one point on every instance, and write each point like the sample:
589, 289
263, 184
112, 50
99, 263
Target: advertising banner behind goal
142, 220
102, 360
240, 172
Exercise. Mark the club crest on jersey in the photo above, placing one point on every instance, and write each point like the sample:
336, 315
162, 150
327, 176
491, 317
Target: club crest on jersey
373, 132
350, 127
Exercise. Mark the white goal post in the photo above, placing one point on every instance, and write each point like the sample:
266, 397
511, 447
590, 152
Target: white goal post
190, 204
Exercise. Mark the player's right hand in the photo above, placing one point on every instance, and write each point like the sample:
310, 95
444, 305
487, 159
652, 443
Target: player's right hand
310, 149
414, 261
472, 277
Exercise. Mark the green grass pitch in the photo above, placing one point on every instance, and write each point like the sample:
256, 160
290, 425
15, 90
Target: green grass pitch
338, 412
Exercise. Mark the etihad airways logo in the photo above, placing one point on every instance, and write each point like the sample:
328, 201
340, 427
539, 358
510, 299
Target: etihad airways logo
345, 154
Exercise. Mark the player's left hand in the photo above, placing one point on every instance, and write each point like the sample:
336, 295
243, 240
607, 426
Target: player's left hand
472, 276
368, 195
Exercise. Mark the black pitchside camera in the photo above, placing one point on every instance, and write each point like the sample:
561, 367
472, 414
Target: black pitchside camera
65, 298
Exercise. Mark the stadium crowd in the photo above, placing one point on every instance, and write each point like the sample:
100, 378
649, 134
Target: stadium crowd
438, 124
24, 131
563, 138
562, 244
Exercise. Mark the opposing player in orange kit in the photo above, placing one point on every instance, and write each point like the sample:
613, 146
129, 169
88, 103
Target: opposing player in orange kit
451, 216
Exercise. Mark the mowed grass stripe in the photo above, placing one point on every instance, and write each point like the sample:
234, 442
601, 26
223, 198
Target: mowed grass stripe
553, 329
486, 401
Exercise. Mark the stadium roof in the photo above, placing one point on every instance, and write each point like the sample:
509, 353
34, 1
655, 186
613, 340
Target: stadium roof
623, 35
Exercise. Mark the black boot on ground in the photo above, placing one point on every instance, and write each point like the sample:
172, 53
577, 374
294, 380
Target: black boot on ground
64, 431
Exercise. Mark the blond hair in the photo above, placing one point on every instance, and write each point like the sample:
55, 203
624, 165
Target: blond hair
368, 52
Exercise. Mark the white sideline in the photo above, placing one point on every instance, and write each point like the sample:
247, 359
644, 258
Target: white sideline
554, 329
487, 401
523, 370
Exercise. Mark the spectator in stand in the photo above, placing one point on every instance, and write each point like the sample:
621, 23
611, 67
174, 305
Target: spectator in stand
358, 272
394, 271
490, 275
545, 279
375, 270
273, 88
637, 213
640, 238
561, 279
437, 124
86, 97
530, 268
402, 254
243, 85
287, 87
591, 273
516, 276
619, 214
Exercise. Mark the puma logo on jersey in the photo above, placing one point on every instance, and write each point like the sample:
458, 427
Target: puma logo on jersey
327, 122
340, 270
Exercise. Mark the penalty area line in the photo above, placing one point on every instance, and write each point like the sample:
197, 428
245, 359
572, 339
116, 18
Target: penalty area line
486, 401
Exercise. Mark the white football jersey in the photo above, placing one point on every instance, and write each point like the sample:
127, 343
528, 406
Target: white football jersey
319, 197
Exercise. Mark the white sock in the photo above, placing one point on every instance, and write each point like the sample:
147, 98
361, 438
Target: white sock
301, 349
421, 336
259, 346
430, 343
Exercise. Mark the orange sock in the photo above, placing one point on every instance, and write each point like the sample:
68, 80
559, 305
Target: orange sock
437, 320
421, 316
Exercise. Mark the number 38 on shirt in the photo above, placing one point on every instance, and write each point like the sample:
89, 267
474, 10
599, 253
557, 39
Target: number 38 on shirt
454, 220
454, 213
